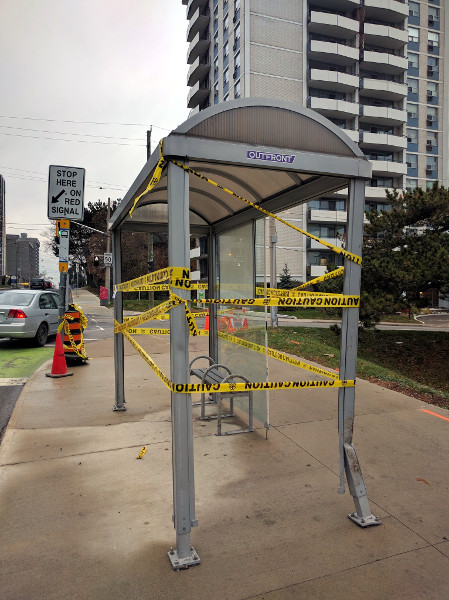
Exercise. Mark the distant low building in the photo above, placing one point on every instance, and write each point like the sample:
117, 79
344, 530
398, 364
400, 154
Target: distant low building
22, 256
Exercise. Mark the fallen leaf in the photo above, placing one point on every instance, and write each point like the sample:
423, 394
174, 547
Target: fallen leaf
423, 480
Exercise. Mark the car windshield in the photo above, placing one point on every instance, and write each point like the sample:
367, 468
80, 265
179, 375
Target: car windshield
13, 298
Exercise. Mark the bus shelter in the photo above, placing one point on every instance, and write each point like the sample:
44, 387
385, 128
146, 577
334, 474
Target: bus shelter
222, 169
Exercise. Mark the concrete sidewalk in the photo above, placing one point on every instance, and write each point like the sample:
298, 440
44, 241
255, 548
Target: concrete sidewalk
81, 518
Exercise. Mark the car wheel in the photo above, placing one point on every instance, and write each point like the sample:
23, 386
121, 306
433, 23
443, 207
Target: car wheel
41, 335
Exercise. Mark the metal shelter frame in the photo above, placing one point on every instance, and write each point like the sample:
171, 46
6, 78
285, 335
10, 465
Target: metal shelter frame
277, 155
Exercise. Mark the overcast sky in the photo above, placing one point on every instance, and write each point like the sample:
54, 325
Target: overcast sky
81, 82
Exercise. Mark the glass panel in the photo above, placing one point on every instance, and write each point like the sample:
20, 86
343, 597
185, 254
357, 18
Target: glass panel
237, 266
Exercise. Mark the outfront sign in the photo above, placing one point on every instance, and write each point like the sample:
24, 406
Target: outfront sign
66, 193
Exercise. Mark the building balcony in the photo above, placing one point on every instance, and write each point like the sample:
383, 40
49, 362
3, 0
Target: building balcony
391, 11
383, 62
198, 70
382, 115
198, 46
333, 108
385, 36
337, 5
327, 216
379, 88
198, 22
314, 245
193, 5
388, 168
382, 141
376, 193
317, 270
333, 80
198, 93
332, 52
332, 25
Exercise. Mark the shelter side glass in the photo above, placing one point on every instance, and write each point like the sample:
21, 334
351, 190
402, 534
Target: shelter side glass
236, 260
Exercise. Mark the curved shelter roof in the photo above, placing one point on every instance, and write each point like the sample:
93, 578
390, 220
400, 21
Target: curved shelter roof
274, 154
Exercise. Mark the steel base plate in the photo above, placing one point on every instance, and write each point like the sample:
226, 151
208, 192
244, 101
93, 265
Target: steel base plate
118, 408
183, 563
365, 521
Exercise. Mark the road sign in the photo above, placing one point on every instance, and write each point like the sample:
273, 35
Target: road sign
107, 258
64, 241
66, 192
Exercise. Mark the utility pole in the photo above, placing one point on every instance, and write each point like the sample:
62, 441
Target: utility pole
150, 235
108, 250
273, 278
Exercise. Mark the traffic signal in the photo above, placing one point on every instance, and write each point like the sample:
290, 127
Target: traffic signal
57, 230
96, 261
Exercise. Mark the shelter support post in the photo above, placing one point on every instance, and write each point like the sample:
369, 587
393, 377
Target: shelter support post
213, 293
119, 356
349, 462
184, 519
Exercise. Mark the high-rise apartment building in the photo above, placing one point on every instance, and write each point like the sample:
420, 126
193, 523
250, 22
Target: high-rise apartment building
2, 228
374, 67
22, 256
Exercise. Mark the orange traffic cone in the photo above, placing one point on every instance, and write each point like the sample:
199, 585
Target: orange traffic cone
245, 323
206, 322
59, 366
231, 328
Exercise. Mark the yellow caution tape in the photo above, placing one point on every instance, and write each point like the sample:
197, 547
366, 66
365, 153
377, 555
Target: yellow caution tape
276, 354
326, 300
203, 313
154, 180
142, 451
193, 328
281, 293
165, 287
324, 277
345, 253
192, 388
148, 331
148, 315
156, 276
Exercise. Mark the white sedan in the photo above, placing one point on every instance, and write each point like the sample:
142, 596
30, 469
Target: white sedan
29, 314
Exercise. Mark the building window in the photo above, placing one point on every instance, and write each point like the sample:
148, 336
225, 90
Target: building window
226, 98
412, 161
432, 90
413, 9
215, 19
433, 40
431, 165
237, 37
216, 44
412, 111
225, 24
431, 141
413, 61
216, 93
215, 69
412, 136
432, 117
432, 66
434, 15
413, 34
412, 85
225, 54
411, 184
225, 81
225, 7
237, 89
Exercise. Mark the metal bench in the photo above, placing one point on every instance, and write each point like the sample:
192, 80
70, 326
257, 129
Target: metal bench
217, 373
